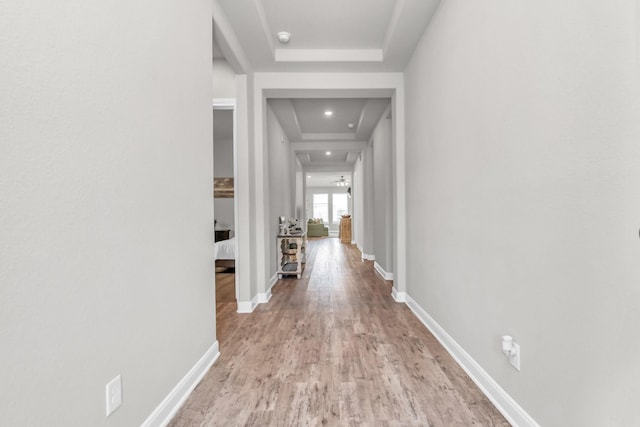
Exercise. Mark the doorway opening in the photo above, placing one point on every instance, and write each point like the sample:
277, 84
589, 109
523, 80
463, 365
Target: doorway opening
225, 211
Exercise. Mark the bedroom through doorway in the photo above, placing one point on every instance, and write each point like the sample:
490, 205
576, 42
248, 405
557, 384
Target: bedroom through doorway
224, 207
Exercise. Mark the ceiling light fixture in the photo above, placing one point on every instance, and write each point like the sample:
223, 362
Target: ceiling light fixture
342, 182
328, 113
350, 125
328, 153
284, 37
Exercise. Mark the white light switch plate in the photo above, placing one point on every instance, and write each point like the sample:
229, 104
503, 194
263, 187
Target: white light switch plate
114, 394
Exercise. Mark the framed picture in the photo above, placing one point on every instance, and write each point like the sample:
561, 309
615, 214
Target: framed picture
223, 188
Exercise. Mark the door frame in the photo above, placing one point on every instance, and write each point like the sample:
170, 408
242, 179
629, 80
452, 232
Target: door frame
230, 104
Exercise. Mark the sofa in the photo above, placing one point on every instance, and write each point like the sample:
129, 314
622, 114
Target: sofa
316, 228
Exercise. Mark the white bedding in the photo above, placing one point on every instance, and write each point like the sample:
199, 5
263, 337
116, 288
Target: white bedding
225, 249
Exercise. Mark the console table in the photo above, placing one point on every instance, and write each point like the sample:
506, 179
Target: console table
291, 254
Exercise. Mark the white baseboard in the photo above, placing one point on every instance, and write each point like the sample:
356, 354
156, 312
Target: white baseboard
248, 306
513, 412
245, 307
381, 271
264, 297
398, 296
161, 416
260, 298
363, 256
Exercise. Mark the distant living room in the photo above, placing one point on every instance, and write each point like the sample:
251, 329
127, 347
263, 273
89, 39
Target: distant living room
325, 206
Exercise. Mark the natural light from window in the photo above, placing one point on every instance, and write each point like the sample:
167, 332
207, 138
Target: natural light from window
340, 206
321, 207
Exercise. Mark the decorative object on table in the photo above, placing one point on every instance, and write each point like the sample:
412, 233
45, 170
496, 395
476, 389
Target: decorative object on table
284, 229
294, 228
223, 188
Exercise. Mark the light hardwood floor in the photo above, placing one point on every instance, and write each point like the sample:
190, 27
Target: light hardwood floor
332, 348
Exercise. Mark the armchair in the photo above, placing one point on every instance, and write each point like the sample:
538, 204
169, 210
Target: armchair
316, 228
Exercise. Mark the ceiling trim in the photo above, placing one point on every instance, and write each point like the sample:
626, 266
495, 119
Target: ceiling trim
328, 55
224, 103
393, 24
262, 15
355, 146
296, 121
352, 157
335, 168
347, 136
324, 93
367, 120
228, 41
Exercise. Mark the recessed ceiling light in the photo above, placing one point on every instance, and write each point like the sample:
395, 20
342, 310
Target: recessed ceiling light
308, 176
284, 37
350, 125
328, 113
328, 153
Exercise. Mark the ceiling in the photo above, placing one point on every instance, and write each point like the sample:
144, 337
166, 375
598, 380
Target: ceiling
217, 52
328, 143
328, 35
327, 179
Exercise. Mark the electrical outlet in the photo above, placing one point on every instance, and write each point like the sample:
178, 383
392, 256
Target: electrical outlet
114, 394
514, 358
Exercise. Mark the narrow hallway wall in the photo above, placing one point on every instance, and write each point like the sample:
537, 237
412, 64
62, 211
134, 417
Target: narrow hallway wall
522, 163
280, 184
382, 196
106, 208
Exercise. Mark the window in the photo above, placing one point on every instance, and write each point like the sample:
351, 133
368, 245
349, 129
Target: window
321, 207
340, 206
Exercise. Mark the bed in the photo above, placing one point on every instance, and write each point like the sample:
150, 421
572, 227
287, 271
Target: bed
225, 253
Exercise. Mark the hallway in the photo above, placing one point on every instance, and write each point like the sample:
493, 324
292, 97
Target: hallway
333, 348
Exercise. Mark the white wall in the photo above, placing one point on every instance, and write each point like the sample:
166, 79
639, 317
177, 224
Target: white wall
368, 202
246, 270
298, 189
105, 204
357, 221
223, 80
522, 163
223, 168
382, 196
363, 202
280, 184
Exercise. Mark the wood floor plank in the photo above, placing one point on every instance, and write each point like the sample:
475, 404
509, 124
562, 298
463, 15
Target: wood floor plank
334, 349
